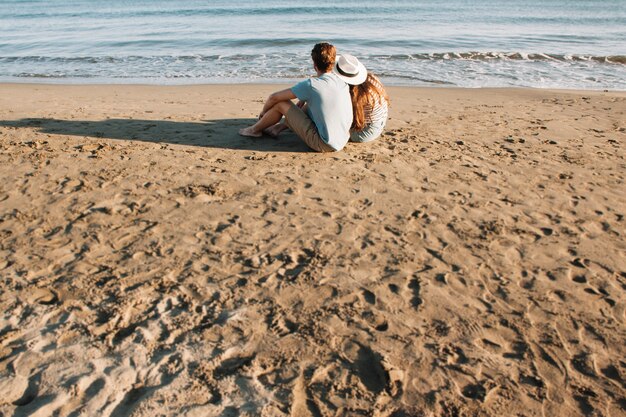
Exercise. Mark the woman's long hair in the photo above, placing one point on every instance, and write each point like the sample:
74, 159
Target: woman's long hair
370, 92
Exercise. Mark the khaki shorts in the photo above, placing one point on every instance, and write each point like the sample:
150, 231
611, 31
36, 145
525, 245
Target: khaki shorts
303, 126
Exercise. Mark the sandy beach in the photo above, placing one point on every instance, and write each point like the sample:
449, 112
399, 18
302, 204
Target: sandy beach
471, 262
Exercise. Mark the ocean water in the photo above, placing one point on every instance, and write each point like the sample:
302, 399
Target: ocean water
577, 44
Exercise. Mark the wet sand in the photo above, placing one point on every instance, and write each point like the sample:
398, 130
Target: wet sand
472, 261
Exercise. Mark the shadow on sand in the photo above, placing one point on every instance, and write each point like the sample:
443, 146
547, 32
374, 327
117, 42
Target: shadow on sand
221, 133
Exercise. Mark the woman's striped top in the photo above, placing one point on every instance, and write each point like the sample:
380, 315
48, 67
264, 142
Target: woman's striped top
377, 113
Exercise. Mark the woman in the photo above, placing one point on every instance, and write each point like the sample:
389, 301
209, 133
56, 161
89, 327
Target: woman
370, 108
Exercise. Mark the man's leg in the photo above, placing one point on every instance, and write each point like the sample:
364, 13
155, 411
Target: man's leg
270, 118
300, 123
275, 130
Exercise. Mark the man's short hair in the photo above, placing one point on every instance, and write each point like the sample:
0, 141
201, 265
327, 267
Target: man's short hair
324, 55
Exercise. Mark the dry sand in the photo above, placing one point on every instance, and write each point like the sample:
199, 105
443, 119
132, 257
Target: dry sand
153, 263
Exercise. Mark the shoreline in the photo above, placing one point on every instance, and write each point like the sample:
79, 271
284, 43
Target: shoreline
154, 262
287, 84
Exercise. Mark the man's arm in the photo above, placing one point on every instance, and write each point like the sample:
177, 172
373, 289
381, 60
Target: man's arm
277, 97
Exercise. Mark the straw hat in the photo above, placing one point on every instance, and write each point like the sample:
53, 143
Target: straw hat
350, 69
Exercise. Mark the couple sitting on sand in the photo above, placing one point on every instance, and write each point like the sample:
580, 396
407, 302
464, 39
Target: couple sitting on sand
343, 102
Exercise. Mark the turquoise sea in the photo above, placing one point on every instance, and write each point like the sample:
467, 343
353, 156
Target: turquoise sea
470, 43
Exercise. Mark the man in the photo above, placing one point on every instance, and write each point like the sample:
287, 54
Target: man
323, 116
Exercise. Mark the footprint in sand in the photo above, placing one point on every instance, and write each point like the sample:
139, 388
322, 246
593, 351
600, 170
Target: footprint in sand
558, 295
547, 231
580, 263
367, 365
231, 363
584, 363
415, 286
369, 296
69, 185
15, 390
613, 372
375, 320
43, 296
281, 325
478, 391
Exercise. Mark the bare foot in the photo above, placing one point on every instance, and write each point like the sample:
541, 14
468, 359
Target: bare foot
275, 130
248, 131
